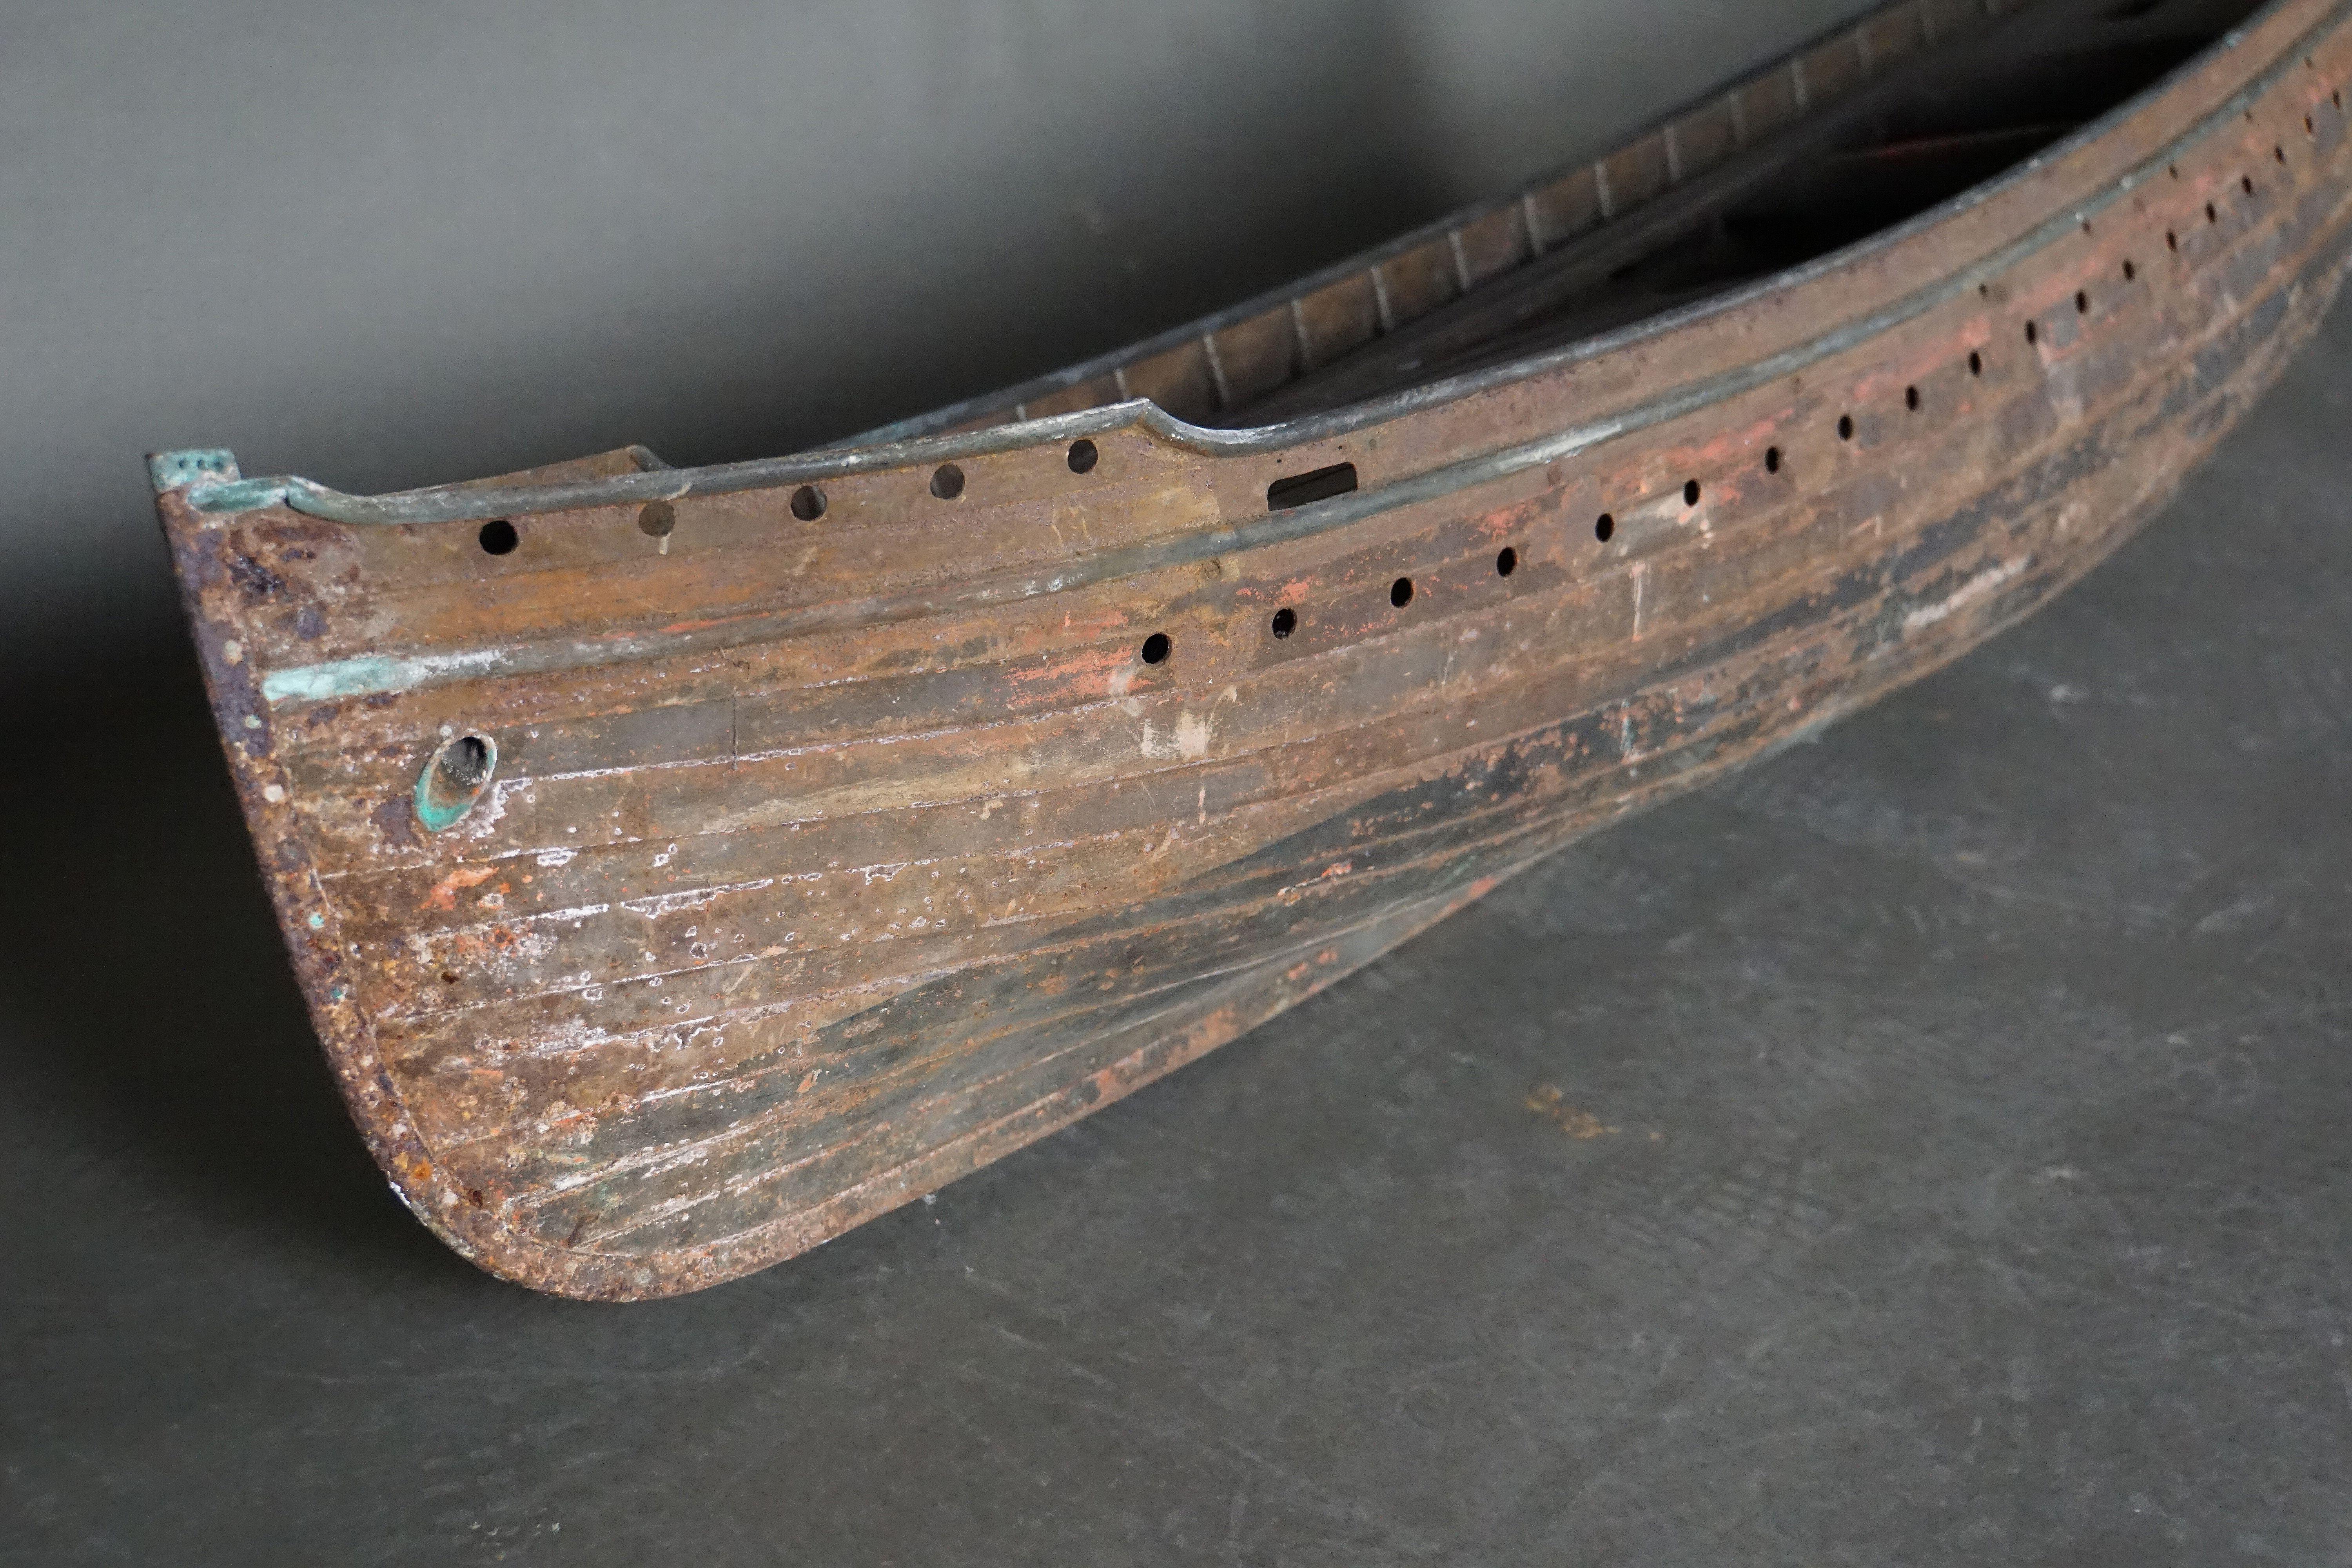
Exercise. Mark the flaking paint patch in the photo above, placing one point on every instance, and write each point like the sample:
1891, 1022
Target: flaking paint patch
444, 893
1188, 742
1975, 588
661, 904
1192, 735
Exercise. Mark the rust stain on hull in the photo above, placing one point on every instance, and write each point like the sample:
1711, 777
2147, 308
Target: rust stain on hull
854, 819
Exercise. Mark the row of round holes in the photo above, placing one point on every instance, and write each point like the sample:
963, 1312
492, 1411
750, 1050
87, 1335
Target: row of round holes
658, 519
1157, 646
1604, 527
499, 536
808, 503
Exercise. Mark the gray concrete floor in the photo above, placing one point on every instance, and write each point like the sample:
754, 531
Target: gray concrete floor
1929, 1147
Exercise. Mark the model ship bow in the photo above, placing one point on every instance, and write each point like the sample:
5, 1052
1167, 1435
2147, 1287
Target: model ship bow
684, 865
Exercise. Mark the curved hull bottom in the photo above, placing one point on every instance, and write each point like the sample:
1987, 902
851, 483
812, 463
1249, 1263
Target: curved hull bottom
952, 1075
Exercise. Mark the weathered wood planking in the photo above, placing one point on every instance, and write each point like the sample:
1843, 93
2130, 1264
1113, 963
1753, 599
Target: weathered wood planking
827, 857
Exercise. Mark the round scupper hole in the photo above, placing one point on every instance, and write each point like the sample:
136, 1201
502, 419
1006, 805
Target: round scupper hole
1285, 621
2081, 303
808, 503
1401, 592
657, 520
1155, 649
947, 482
1690, 492
498, 537
1507, 561
2032, 331
1976, 363
1083, 457
1845, 427
2131, 270
1911, 398
1771, 459
1603, 527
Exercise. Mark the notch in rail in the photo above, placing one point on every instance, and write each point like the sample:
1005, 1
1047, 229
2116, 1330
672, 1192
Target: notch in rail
1303, 489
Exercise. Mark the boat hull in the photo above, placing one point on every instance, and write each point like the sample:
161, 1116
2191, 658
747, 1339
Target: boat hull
825, 857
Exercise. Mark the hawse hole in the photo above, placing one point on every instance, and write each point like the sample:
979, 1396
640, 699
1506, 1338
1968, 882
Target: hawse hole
466, 761
1401, 592
454, 778
1155, 649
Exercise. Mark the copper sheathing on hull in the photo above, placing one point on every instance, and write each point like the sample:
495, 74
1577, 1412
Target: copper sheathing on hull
685, 866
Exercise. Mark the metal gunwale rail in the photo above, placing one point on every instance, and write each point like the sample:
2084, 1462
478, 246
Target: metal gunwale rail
451, 505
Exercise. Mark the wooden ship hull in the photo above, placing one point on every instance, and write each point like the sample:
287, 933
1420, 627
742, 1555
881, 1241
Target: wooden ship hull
682, 866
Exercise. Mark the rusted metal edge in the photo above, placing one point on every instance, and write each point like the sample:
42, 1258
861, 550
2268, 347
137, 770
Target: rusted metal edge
213, 487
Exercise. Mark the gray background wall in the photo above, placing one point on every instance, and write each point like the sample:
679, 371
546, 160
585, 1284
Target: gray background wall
400, 243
